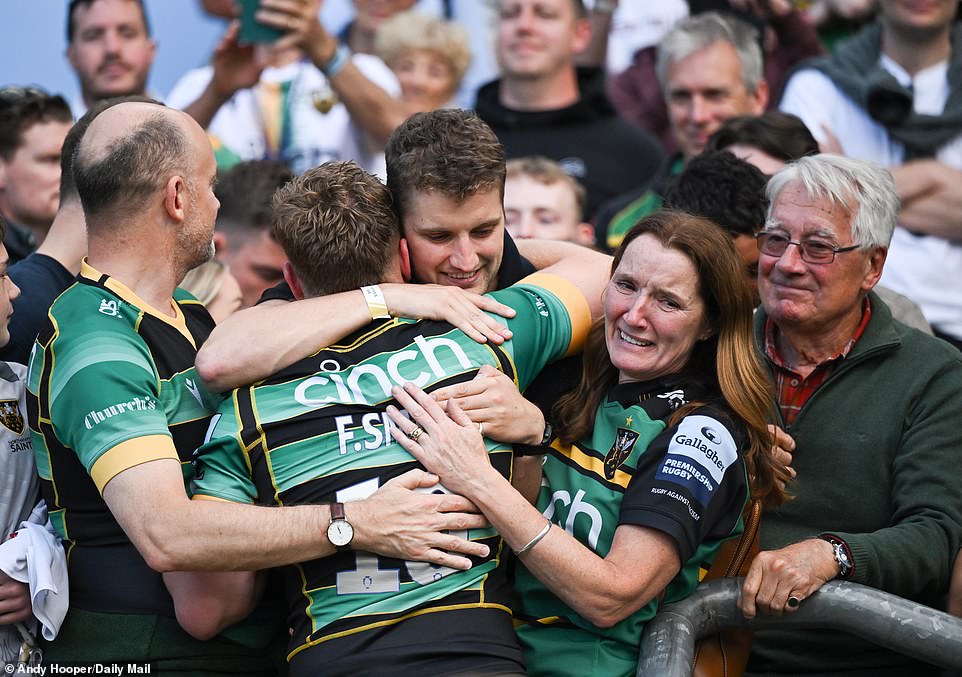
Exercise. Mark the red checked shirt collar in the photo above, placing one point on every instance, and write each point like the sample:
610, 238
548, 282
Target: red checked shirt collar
791, 389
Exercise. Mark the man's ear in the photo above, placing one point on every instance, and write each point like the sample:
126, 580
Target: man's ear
175, 198
71, 57
404, 257
3, 175
585, 234
295, 283
220, 243
876, 261
760, 97
582, 36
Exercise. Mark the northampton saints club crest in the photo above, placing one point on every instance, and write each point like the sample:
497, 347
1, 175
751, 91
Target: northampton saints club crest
620, 450
10, 416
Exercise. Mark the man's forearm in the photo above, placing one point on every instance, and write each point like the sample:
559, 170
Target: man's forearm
544, 253
205, 107
230, 359
931, 202
174, 533
586, 268
370, 107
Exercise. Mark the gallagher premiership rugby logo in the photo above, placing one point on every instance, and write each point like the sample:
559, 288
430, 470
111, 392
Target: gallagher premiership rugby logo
10, 416
620, 450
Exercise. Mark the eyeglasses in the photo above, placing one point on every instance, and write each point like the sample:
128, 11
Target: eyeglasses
811, 251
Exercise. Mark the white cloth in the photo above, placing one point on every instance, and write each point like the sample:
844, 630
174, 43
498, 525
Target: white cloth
636, 25
18, 476
314, 138
926, 268
34, 556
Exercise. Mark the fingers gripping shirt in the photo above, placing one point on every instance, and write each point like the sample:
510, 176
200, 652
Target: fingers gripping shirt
317, 432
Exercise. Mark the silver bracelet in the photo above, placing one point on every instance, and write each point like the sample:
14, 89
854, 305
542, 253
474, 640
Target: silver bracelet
537, 539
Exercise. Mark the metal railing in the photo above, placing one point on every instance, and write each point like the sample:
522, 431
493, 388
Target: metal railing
668, 643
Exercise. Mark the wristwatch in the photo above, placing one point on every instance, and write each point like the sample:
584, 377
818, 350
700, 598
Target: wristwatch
842, 555
339, 532
537, 449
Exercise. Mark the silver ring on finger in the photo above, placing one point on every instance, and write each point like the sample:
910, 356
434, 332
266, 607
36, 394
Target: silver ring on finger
481, 428
793, 602
415, 434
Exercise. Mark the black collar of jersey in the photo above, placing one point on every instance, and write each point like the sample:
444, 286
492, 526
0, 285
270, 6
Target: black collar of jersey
662, 395
514, 267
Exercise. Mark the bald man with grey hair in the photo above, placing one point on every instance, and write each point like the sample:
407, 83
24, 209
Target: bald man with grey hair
116, 411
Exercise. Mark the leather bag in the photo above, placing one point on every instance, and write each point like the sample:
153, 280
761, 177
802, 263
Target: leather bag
725, 654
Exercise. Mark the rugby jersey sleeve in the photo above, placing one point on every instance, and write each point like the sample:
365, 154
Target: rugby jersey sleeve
221, 465
691, 483
552, 322
104, 401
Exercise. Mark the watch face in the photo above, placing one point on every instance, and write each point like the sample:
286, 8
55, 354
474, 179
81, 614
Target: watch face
841, 556
340, 533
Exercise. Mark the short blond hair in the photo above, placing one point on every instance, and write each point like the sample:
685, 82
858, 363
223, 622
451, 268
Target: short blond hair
205, 280
337, 226
413, 30
548, 172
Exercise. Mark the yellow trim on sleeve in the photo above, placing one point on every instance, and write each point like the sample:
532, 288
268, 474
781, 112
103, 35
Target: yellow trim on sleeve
129, 454
574, 301
205, 497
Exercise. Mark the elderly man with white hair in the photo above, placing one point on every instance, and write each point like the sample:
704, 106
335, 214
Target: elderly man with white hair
874, 408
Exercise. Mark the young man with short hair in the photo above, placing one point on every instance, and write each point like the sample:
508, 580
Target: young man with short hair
33, 125
242, 235
544, 104
317, 432
109, 48
544, 202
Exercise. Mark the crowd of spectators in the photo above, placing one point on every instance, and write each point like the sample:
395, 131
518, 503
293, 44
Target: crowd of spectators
458, 337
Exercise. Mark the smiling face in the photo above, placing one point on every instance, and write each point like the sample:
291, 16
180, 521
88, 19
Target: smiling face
654, 314
455, 243
111, 51
426, 77
808, 298
705, 89
539, 37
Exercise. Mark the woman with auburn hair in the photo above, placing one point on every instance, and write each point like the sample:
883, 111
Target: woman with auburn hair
654, 452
